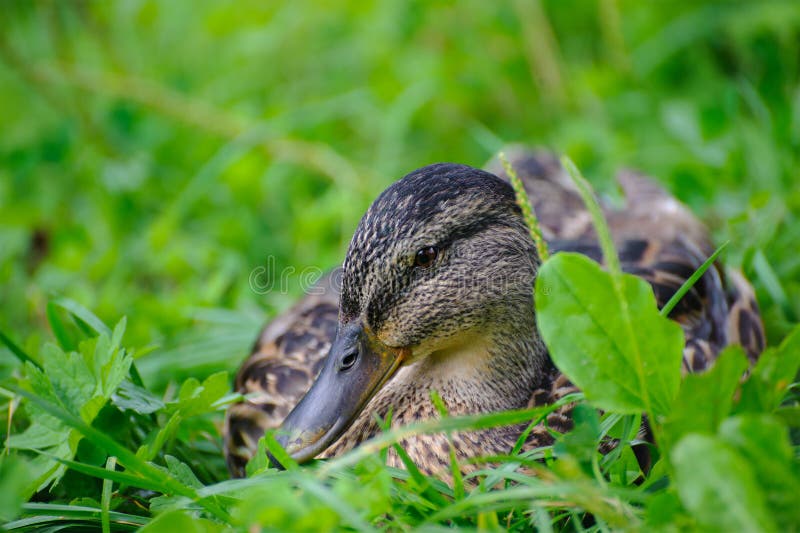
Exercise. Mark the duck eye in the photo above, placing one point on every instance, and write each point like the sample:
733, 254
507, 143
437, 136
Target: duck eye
348, 361
426, 256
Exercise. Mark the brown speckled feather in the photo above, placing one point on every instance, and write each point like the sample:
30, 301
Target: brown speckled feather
657, 238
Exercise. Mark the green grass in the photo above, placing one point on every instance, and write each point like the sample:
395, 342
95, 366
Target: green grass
154, 154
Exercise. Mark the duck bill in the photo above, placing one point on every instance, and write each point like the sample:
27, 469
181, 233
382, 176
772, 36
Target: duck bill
357, 366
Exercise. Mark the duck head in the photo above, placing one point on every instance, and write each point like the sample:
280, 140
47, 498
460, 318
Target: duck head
441, 262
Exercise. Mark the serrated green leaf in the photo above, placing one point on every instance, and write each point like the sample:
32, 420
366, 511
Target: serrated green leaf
132, 397
182, 472
195, 398
622, 366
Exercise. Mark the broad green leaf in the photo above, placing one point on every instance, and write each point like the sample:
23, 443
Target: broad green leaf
182, 472
764, 443
718, 486
704, 399
665, 510
623, 354
772, 375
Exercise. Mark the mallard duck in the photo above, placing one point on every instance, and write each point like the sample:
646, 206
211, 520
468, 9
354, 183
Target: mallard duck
436, 293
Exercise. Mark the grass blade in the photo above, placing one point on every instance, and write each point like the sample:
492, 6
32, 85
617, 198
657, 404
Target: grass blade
105, 499
525, 205
56, 511
83, 315
18, 352
453, 423
59, 329
278, 452
598, 220
123, 478
689, 283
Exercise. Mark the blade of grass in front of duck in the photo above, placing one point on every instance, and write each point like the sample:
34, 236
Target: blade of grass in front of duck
278, 452
615, 505
452, 423
527, 208
54, 511
455, 468
689, 283
123, 478
105, 498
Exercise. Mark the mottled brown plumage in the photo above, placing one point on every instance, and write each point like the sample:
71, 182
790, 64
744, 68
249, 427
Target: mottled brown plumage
465, 326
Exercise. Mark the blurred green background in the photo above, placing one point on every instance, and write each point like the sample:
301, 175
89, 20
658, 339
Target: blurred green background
153, 154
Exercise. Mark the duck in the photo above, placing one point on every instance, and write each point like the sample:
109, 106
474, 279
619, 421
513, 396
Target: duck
435, 293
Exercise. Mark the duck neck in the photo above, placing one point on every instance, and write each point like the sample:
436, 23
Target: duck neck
492, 371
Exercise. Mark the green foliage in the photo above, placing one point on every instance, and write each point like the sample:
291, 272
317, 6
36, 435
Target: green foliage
153, 153
772, 376
713, 390
622, 365
14, 476
718, 487
80, 382
729, 473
